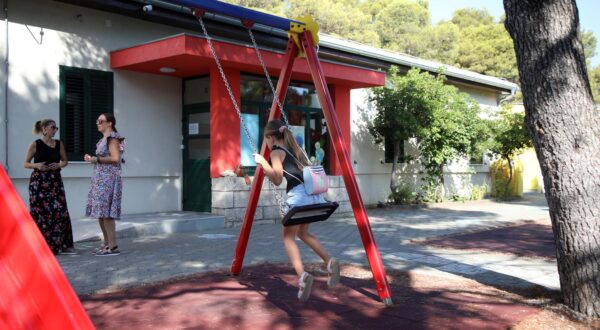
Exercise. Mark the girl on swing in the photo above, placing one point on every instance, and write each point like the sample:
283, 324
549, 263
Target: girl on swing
287, 160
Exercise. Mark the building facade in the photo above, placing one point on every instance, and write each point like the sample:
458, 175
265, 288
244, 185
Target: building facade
72, 60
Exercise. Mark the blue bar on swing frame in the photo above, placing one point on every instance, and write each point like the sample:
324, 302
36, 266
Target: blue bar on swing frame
218, 7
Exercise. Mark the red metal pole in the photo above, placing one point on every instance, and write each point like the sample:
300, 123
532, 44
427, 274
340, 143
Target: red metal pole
282, 86
358, 207
34, 291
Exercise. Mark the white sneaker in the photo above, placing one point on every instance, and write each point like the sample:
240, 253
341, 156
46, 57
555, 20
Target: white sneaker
304, 286
333, 272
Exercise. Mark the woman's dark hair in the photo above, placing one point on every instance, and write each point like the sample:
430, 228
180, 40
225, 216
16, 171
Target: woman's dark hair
274, 128
111, 119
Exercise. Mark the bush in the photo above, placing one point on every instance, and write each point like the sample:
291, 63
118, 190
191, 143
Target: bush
478, 192
402, 195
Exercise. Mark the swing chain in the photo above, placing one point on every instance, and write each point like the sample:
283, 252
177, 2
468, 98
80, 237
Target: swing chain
264, 67
237, 109
229, 91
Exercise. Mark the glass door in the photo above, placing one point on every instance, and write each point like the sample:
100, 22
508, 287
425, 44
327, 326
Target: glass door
196, 158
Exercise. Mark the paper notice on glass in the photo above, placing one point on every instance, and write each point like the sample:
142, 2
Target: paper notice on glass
193, 129
251, 121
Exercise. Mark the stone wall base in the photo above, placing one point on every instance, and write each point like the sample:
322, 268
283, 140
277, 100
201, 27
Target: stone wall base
230, 198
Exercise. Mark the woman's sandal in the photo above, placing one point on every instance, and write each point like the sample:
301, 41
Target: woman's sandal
103, 246
114, 251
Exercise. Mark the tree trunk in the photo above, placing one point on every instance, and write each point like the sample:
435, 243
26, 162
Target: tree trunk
393, 184
510, 176
565, 128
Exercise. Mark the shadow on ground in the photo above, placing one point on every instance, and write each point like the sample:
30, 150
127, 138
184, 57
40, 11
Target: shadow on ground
263, 297
528, 240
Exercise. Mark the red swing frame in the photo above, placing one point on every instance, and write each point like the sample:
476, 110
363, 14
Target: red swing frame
360, 214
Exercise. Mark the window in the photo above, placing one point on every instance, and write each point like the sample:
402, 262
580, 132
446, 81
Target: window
389, 152
84, 95
303, 111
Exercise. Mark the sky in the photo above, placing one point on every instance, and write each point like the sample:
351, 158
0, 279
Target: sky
588, 14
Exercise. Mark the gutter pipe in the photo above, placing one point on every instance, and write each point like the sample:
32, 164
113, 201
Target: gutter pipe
5, 8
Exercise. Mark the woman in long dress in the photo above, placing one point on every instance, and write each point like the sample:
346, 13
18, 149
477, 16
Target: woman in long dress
47, 202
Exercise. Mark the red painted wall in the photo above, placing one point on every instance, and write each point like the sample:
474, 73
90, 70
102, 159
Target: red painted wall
224, 123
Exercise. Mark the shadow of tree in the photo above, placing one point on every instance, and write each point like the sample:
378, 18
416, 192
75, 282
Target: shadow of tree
265, 296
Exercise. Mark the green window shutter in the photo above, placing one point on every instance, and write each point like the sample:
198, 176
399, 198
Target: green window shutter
389, 152
84, 95
100, 98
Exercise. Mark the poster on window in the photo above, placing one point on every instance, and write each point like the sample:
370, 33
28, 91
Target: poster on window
298, 132
251, 122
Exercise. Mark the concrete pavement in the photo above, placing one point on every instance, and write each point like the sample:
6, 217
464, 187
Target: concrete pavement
147, 259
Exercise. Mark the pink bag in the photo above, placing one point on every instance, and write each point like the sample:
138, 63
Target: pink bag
315, 179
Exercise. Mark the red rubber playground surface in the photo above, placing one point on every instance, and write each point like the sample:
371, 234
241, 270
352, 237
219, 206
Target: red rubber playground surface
264, 297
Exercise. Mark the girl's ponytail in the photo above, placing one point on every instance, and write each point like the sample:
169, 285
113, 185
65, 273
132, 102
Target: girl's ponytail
294, 148
280, 131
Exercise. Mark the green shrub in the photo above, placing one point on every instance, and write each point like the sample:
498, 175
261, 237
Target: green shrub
402, 195
478, 192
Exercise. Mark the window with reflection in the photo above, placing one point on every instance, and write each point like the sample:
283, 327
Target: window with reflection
303, 111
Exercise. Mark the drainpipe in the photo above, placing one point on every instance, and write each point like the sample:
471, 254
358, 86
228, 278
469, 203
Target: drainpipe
5, 7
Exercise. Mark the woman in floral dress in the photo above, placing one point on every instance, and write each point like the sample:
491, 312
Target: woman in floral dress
104, 198
47, 202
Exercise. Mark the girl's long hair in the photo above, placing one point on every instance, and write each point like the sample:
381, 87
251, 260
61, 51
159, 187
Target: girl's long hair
273, 129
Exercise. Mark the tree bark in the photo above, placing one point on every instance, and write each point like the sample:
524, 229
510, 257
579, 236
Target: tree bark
565, 127
510, 177
393, 181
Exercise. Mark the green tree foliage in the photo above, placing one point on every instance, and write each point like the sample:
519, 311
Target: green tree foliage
472, 39
454, 130
470, 17
343, 19
444, 121
401, 109
510, 137
595, 83
589, 42
275, 7
484, 46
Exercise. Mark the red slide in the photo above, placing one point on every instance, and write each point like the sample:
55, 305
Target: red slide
34, 292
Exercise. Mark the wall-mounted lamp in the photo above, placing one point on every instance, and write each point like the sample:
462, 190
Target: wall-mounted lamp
381, 161
147, 8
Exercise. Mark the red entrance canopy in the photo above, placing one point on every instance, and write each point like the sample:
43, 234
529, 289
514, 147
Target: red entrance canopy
190, 56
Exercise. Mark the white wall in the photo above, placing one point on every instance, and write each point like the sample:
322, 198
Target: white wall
147, 107
374, 177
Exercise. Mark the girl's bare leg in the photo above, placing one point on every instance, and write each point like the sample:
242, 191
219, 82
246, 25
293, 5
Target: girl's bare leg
313, 242
293, 252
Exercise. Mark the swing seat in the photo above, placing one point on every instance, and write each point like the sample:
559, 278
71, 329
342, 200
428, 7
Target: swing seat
309, 213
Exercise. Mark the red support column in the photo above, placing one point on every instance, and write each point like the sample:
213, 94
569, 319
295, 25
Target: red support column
343, 155
224, 122
259, 175
341, 100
